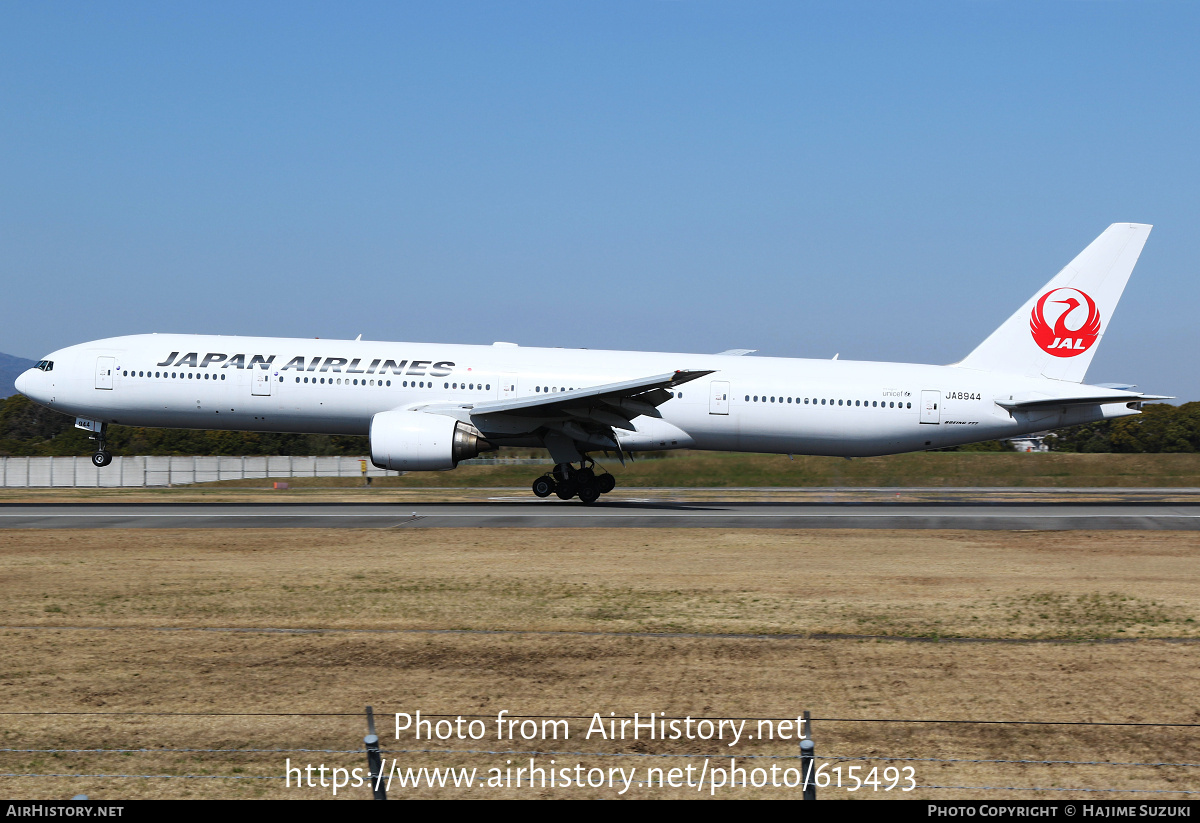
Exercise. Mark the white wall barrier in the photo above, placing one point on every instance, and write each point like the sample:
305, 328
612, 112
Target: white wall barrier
78, 472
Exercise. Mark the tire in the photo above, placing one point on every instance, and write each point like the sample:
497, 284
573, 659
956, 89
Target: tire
589, 493
566, 490
606, 483
543, 486
584, 476
101, 459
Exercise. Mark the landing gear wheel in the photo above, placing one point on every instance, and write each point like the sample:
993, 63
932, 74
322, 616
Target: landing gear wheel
589, 492
606, 483
567, 489
101, 459
543, 486
584, 475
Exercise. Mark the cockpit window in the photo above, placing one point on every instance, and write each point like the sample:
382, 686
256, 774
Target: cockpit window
45, 365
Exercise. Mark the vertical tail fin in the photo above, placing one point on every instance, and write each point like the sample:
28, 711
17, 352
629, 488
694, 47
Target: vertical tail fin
1056, 333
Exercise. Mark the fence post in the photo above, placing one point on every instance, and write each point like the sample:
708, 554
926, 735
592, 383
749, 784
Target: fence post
374, 760
808, 760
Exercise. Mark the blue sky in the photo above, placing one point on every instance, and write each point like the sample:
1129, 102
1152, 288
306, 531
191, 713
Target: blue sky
885, 180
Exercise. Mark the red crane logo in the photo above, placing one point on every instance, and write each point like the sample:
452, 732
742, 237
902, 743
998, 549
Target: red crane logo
1069, 331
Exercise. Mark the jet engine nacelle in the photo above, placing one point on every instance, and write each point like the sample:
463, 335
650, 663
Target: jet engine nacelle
418, 441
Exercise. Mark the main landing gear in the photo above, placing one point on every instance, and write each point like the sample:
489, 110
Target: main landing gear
567, 481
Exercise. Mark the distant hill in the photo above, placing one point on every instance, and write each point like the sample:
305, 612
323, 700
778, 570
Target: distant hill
10, 367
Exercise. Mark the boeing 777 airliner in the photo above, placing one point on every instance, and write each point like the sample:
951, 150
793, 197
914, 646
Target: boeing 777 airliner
427, 406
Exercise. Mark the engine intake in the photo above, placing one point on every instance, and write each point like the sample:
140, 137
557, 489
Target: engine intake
418, 441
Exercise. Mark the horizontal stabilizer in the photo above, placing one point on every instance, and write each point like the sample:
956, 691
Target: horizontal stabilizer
736, 352
1036, 400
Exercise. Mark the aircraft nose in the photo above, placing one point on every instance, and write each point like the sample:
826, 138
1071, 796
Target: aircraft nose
23, 381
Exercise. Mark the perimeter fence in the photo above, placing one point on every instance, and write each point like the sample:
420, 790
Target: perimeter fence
833, 760
134, 471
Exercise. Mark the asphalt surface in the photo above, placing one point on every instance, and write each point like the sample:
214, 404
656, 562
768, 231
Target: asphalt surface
524, 512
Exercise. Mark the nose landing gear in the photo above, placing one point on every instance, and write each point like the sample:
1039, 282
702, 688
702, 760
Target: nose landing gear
102, 457
566, 481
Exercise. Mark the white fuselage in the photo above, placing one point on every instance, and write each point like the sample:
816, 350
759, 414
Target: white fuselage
755, 404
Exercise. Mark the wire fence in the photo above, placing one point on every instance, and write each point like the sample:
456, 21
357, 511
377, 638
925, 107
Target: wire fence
145, 471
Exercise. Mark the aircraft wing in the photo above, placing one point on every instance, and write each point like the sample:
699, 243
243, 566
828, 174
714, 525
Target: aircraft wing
586, 417
619, 402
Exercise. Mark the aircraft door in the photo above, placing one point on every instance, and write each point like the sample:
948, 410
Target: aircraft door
930, 411
508, 386
718, 397
104, 372
262, 384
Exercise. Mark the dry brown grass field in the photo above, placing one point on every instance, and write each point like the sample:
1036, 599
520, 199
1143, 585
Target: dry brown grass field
121, 640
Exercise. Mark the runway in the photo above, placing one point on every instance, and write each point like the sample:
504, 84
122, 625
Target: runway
527, 513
